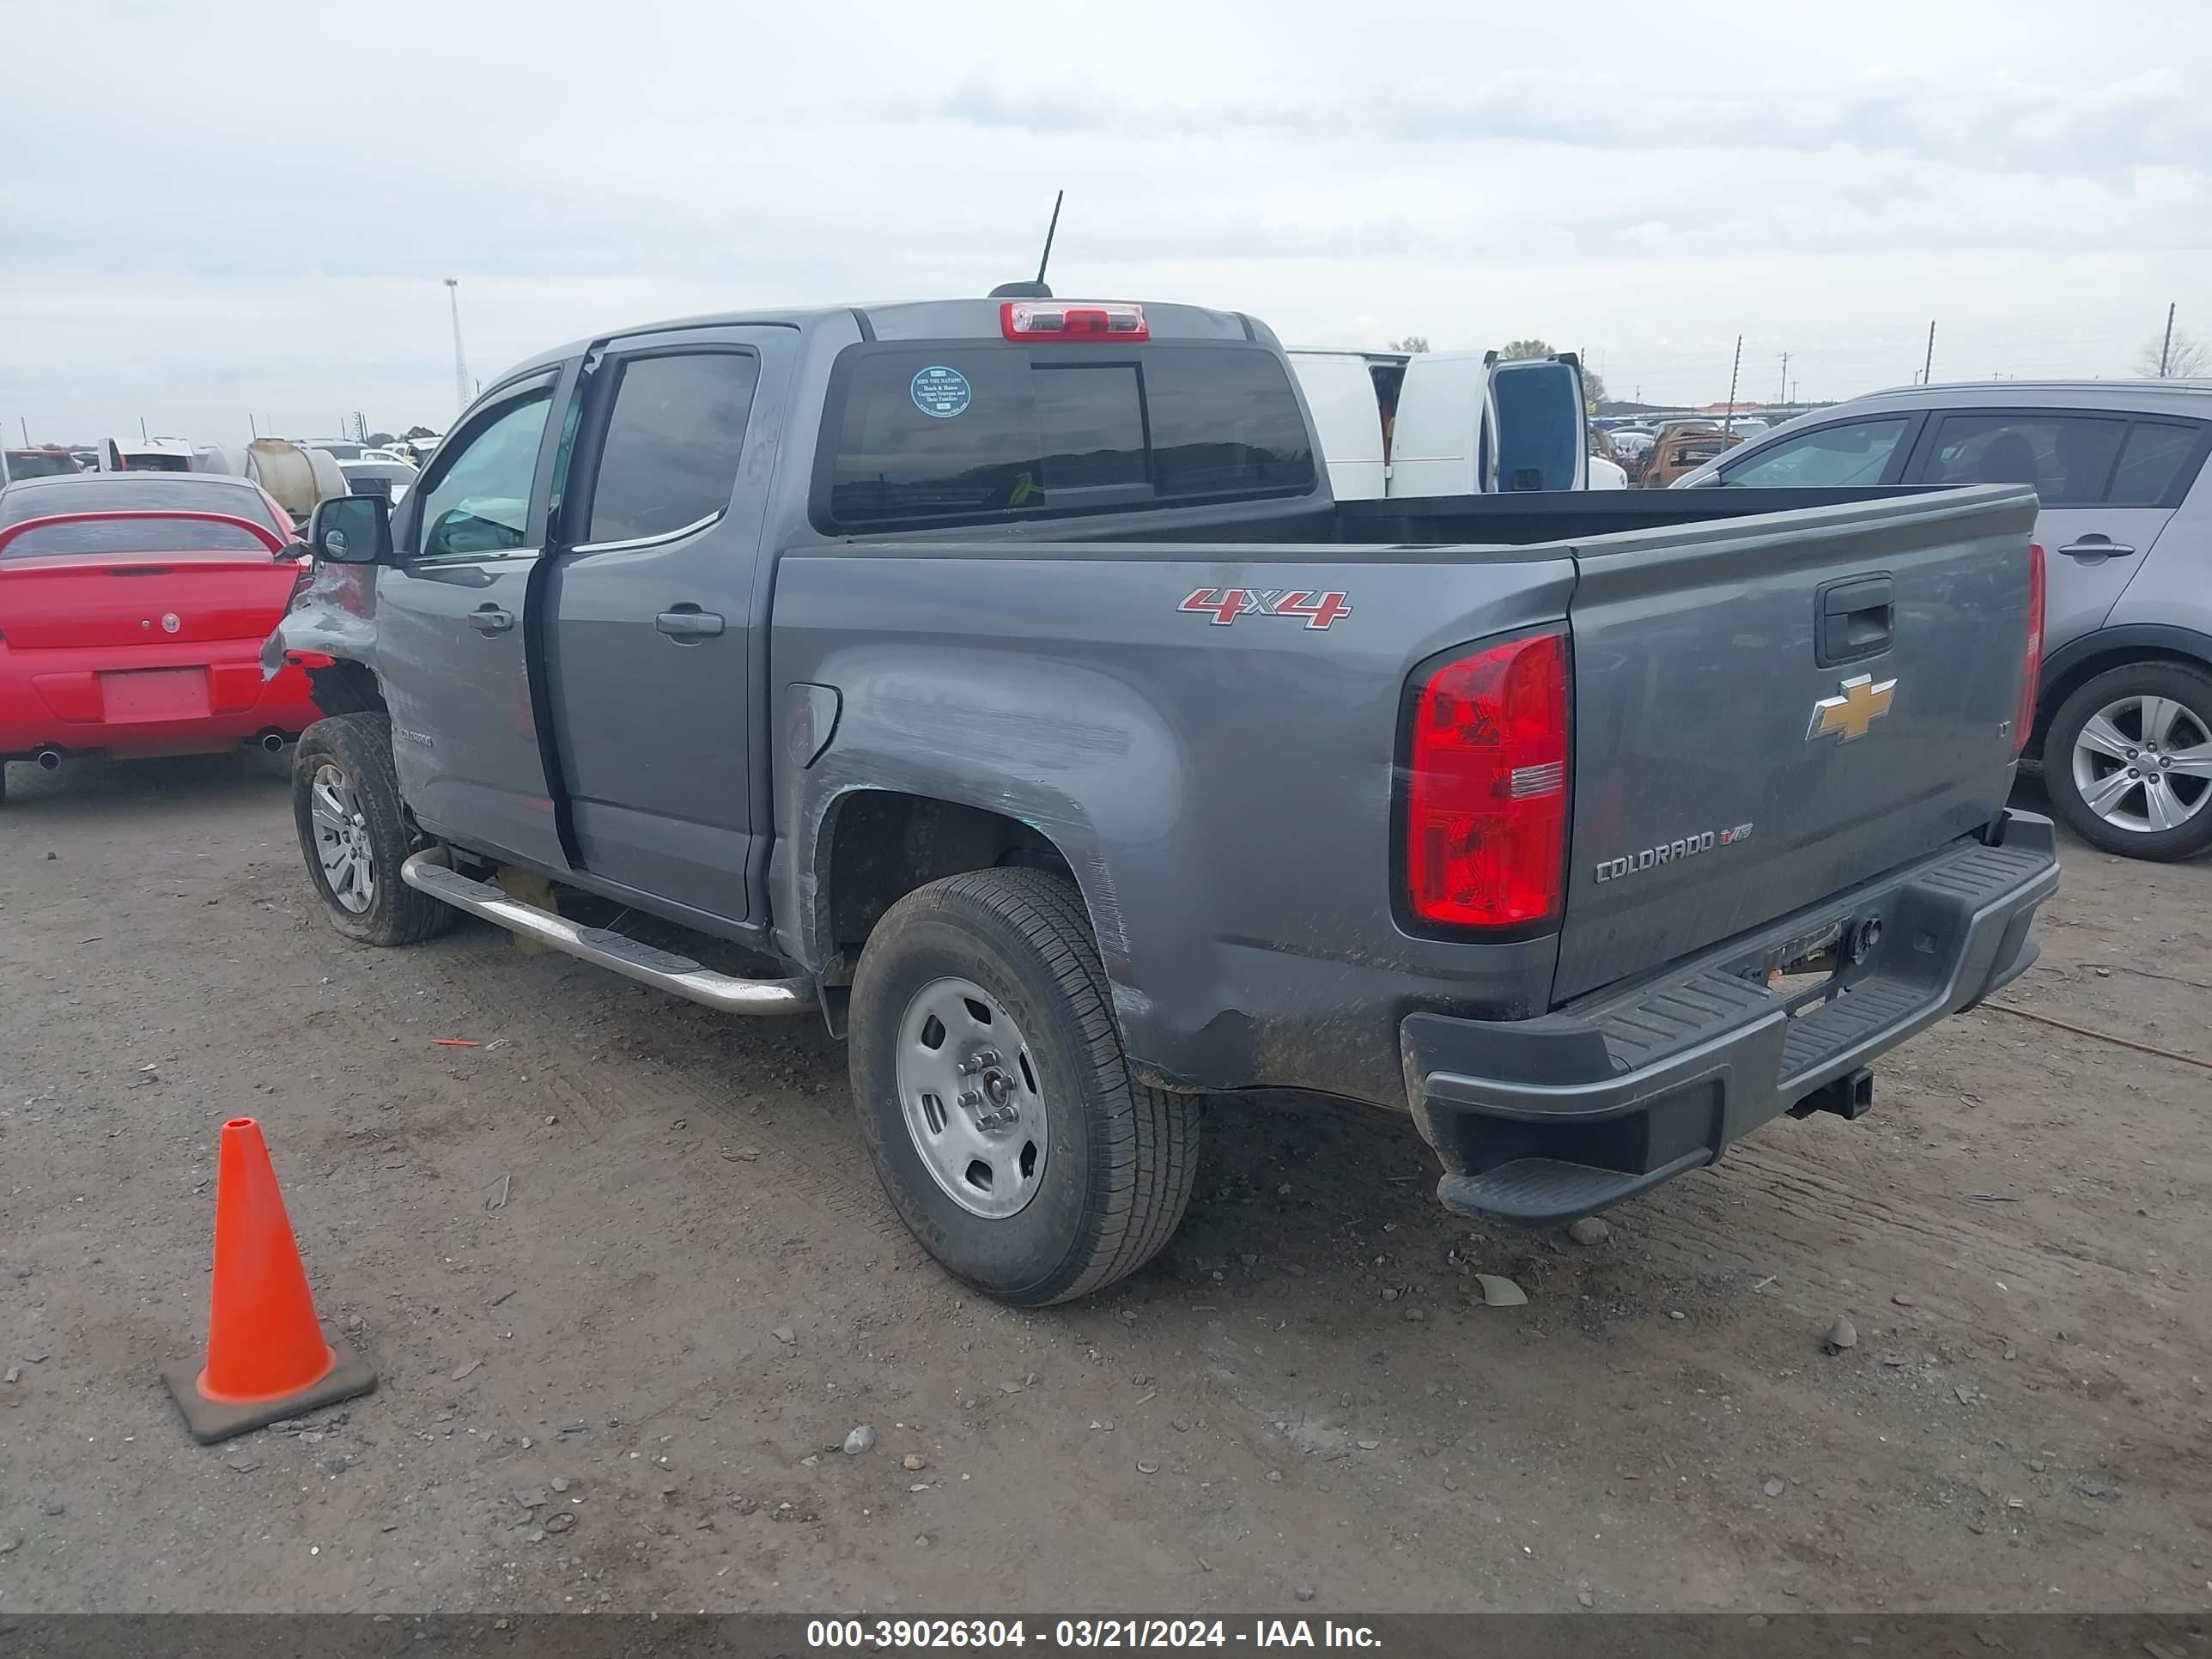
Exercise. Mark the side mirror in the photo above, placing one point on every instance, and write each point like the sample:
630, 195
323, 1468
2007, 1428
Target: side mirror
352, 530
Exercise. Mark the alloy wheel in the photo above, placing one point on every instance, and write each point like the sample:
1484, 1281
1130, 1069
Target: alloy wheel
2143, 763
342, 843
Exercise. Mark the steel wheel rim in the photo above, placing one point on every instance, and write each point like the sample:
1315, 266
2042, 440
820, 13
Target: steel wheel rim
2143, 763
342, 840
968, 1091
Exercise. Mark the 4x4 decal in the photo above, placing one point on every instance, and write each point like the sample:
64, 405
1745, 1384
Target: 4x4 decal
1226, 605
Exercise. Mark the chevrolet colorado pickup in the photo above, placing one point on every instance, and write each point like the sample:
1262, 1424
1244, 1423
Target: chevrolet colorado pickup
999, 679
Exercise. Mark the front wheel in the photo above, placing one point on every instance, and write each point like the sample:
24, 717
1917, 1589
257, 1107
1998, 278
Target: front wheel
995, 1098
2128, 761
355, 832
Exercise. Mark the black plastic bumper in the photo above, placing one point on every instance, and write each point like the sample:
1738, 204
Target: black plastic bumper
1548, 1120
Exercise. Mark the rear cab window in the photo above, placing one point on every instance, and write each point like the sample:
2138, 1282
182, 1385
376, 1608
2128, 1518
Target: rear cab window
917, 435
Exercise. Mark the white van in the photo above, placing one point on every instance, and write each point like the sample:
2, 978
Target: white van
1351, 396
1450, 423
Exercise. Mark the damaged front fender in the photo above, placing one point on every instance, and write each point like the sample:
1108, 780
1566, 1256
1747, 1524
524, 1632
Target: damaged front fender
332, 619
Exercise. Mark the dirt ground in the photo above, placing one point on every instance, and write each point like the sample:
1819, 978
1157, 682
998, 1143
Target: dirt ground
625, 1386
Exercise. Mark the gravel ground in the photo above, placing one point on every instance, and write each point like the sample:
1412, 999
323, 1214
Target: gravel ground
628, 1282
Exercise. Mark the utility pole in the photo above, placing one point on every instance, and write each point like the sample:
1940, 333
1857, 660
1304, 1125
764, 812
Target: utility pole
2165, 351
1928, 364
460, 363
1784, 395
1728, 418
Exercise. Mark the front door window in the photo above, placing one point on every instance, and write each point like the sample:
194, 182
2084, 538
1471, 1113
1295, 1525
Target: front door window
479, 503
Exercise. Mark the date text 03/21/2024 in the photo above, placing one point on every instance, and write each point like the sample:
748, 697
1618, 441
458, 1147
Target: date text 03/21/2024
878, 1635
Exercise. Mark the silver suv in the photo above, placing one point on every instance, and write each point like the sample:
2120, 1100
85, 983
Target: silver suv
2125, 726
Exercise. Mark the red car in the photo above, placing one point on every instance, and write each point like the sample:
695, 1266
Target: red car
133, 613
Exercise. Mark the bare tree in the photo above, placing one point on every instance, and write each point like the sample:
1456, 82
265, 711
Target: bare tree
1593, 382
1412, 342
2188, 359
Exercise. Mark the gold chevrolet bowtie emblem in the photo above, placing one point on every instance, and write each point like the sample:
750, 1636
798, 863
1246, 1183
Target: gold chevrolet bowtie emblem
1848, 716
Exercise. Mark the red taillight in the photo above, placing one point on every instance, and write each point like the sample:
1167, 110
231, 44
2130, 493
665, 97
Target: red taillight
2031, 673
1487, 787
1067, 319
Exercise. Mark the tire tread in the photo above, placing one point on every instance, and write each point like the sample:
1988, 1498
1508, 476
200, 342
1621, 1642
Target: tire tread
1144, 1141
361, 743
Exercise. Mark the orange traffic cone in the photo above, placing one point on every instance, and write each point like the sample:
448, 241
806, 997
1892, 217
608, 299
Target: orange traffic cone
267, 1356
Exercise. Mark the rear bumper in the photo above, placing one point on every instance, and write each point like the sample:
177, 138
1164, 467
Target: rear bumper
1548, 1120
75, 706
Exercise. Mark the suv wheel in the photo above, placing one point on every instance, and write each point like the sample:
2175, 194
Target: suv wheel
2128, 761
994, 1097
355, 832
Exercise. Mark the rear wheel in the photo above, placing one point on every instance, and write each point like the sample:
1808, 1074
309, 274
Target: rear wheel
995, 1098
2128, 761
355, 832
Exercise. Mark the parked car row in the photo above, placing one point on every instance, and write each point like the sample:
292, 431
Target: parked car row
361, 469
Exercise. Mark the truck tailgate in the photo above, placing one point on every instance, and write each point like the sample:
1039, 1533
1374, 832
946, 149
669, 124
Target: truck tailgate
1770, 709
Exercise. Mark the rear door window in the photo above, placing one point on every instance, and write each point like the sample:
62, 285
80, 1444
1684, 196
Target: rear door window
670, 458
963, 432
2067, 457
1850, 452
2152, 462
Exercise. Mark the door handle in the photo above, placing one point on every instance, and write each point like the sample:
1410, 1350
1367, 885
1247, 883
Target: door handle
1858, 618
490, 619
686, 623
2093, 546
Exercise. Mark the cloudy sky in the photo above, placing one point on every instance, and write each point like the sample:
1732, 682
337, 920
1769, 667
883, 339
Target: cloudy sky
214, 212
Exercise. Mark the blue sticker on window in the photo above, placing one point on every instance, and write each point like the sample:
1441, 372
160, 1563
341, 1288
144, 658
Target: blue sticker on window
940, 392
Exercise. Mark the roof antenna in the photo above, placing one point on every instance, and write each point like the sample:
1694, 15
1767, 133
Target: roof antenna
1035, 290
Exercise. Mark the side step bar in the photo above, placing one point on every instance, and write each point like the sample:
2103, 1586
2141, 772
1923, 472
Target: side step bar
427, 872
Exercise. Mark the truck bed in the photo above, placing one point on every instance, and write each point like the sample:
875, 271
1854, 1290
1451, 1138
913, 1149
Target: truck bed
1512, 520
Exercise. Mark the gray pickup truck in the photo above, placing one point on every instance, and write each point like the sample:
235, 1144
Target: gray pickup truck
999, 679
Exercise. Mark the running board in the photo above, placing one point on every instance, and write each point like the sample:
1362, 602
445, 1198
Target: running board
428, 872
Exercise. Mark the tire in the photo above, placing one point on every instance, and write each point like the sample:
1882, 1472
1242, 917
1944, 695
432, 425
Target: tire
2091, 779
357, 749
1117, 1159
